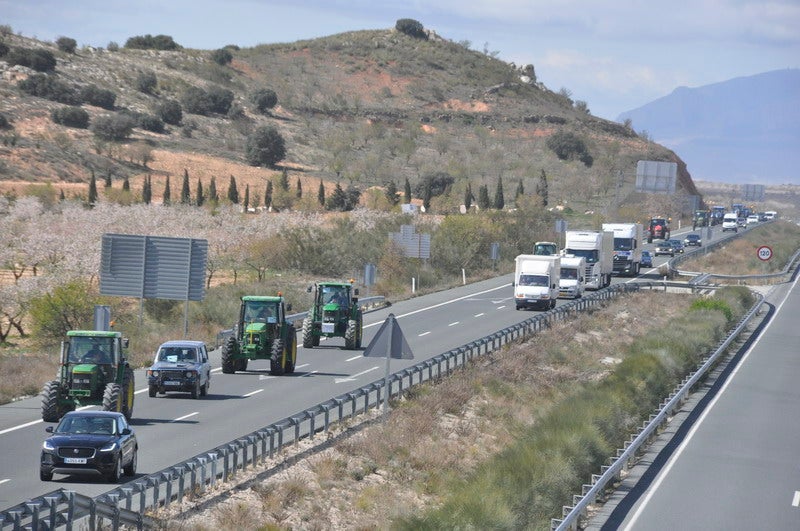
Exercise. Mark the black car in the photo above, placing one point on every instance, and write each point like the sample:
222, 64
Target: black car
647, 259
96, 443
665, 247
693, 239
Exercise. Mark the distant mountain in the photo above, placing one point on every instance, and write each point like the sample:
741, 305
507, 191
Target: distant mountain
744, 130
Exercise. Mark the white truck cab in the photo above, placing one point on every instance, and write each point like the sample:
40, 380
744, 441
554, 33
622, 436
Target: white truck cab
730, 221
536, 281
573, 279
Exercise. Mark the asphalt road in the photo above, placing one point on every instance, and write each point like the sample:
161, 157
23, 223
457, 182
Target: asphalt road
173, 428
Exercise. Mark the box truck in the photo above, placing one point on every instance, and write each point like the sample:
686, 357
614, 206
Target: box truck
536, 280
597, 247
627, 247
572, 281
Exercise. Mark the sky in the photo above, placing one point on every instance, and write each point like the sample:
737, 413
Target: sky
614, 55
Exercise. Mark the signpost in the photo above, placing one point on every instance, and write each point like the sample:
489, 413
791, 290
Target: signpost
389, 343
764, 253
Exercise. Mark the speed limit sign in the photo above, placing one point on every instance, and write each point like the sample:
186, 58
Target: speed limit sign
764, 253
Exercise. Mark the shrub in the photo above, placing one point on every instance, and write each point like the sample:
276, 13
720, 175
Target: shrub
3, 49
439, 184
113, 46
66, 307
4, 123
567, 146
197, 101
71, 117
170, 111
264, 99
150, 122
94, 95
149, 42
66, 44
113, 127
220, 98
223, 56
411, 27
264, 147
146, 82
39, 60
48, 87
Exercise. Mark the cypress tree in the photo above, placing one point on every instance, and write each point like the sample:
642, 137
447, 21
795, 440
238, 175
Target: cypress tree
186, 194
407, 191
126, 184
147, 191
520, 190
268, 195
299, 189
499, 200
61, 196
541, 187
199, 200
483, 197
468, 197
391, 193
321, 193
233, 192
427, 193
284, 182
212, 191
246, 197
92, 190
167, 193
108, 181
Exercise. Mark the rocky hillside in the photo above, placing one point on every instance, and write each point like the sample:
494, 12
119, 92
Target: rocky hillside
363, 108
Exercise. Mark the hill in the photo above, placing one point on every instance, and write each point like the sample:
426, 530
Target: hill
361, 108
742, 131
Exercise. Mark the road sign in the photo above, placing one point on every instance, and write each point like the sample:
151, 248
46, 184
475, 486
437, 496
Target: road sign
764, 253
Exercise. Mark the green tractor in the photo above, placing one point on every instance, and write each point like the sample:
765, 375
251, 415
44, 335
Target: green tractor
94, 371
335, 313
262, 333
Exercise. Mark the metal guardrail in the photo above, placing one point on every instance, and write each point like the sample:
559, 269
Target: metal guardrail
571, 514
127, 504
367, 303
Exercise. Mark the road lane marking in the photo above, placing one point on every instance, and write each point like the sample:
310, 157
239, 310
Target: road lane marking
504, 286
353, 377
8, 430
795, 500
424, 333
479, 315
309, 374
186, 416
453, 324
253, 393
301, 366
265, 377
354, 358
501, 307
218, 369
4, 481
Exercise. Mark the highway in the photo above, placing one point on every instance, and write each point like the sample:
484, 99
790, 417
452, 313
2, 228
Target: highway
173, 428
734, 464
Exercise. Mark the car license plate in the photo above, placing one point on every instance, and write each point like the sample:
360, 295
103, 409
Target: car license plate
327, 328
75, 460
172, 383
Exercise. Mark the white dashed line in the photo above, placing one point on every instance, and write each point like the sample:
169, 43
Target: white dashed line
309, 374
186, 416
796, 499
253, 393
353, 377
301, 366
501, 307
424, 333
479, 314
453, 324
354, 358
4, 481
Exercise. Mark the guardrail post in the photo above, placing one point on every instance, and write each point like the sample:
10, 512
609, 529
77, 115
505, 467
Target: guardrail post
34, 509
181, 483
213, 459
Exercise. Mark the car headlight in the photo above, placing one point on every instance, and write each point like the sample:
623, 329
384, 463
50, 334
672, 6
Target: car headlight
48, 445
152, 373
110, 447
190, 374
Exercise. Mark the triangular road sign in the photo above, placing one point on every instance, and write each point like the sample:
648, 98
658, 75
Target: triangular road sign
389, 341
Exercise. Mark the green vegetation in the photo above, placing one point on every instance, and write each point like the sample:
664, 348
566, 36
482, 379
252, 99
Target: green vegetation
94, 95
150, 42
222, 57
51, 88
146, 82
568, 146
265, 147
35, 58
71, 117
66, 44
113, 127
411, 27
264, 99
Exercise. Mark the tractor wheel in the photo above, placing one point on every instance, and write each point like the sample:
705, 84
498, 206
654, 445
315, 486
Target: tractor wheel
128, 389
229, 350
359, 329
351, 335
51, 412
196, 390
308, 331
277, 362
240, 364
112, 397
291, 360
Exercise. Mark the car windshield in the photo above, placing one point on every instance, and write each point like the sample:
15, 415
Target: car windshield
569, 274
87, 424
533, 280
177, 354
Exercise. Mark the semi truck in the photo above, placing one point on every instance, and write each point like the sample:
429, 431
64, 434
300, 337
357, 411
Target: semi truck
572, 281
536, 281
627, 247
597, 247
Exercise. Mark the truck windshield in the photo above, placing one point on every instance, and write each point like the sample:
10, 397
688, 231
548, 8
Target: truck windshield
589, 254
623, 244
569, 274
533, 280
544, 249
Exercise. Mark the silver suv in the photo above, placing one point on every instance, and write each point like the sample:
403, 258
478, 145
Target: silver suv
180, 366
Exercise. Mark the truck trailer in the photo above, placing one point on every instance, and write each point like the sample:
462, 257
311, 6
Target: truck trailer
597, 247
627, 247
536, 281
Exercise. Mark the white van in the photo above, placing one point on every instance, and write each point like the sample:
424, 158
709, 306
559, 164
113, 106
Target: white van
730, 221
